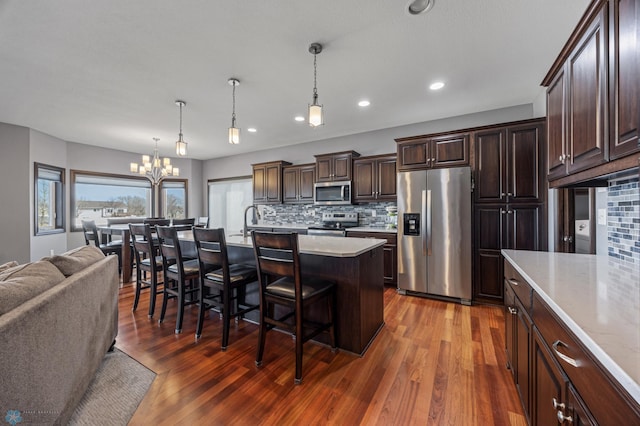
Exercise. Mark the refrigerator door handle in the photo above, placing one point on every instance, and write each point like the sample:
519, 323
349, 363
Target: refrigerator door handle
428, 220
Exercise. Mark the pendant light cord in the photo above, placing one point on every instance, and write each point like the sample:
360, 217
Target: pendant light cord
315, 74
233, 113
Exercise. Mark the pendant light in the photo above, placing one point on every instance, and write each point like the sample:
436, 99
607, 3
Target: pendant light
234, 132
316, 116
181, 145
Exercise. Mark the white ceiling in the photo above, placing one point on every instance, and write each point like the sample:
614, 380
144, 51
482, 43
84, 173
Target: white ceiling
108, 72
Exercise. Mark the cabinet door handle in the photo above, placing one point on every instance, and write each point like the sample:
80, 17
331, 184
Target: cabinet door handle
572, 362
562, 418
512, 311
513, 281
502, 211
558, 405
433, 160
428, 160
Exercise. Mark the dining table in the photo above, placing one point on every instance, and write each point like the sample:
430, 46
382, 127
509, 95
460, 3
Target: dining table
122, 229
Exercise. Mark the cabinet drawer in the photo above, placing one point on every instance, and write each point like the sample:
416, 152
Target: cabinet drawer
607, 401
520, 287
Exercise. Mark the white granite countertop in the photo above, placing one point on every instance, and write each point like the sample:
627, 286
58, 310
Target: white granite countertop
315, 244
598, 298
292, 226
373, 229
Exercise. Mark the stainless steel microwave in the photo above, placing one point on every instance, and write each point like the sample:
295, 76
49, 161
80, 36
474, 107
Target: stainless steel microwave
332, 193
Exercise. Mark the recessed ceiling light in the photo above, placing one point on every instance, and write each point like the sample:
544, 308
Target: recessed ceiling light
416, 7
299, 118
364, 103
251, 130
436, 86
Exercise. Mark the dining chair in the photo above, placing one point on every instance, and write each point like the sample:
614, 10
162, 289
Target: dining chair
224, 287
91, 234
147, 262
202, 222
282, 283
180, 275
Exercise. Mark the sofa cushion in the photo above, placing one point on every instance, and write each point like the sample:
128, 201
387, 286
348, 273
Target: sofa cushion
76, 260
8, 265
19, 284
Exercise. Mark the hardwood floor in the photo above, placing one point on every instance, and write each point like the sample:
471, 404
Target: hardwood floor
432, 363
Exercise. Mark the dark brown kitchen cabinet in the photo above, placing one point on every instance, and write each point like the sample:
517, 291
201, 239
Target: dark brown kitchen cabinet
426, 152
335, 166
267, 182
390, 250
509, 199
374, 178
503, 226
297, 183
593, 94
577, 99
566, 382
510, 164
624, 83
518, 332
548, 384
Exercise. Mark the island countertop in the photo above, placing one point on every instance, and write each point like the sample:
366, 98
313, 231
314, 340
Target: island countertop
316, 244
598, 299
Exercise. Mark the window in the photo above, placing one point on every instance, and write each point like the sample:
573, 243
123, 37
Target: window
227, 200
98, 197
173, 194
48, 199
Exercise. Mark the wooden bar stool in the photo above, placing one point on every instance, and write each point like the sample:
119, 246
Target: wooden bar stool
228, 281
179, 275
147, 261
282, 283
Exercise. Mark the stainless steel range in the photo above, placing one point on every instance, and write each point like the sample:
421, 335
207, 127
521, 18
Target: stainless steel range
334, 224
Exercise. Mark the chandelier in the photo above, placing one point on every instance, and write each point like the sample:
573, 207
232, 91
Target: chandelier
156, 169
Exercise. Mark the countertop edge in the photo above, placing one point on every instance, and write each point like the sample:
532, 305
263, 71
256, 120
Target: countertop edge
603, 358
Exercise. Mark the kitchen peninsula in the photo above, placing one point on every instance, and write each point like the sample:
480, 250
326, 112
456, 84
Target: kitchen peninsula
354, 264
582, 313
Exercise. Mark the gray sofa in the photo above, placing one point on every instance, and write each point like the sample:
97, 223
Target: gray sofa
58, 318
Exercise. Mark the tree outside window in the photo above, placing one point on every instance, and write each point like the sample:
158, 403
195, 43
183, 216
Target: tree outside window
174, 198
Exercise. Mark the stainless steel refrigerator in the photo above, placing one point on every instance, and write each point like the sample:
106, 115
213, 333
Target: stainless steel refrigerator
434, 232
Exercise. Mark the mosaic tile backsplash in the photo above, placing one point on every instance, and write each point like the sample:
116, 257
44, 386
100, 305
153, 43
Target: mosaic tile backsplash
623, 219
310, 214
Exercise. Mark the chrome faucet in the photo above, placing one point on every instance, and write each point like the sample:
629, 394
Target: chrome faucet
245, 231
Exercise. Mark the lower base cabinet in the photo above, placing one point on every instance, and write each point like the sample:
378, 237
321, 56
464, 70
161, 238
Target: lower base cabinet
558, 379
390, 250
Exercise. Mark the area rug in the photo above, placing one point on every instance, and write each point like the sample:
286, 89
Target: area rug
116, 391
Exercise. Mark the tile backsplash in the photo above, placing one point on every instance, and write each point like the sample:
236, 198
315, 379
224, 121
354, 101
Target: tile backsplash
372, 214
623, 219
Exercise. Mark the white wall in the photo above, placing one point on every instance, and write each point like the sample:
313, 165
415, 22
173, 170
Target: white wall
15, 229
369, 143
52, 151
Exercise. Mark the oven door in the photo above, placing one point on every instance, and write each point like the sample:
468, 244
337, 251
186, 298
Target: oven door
327, 232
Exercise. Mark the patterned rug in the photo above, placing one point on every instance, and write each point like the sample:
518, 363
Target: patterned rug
116, 391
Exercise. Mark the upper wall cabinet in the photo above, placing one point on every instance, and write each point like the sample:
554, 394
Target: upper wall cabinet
624, 77
509, 164
335, 166
374, 178
415, 153
297, 183
592, 95
267, 182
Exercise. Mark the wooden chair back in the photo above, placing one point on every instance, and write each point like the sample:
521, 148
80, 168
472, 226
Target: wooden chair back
212, 249
277, 256
90, 232
170, 249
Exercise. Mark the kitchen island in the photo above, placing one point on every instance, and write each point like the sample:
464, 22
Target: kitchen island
354, 264
587, 310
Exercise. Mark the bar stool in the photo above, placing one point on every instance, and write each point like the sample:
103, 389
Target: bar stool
281, 283
90, 231
230, 281
147, 261
179, 274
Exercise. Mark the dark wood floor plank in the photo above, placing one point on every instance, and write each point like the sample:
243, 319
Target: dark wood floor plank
432, 363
